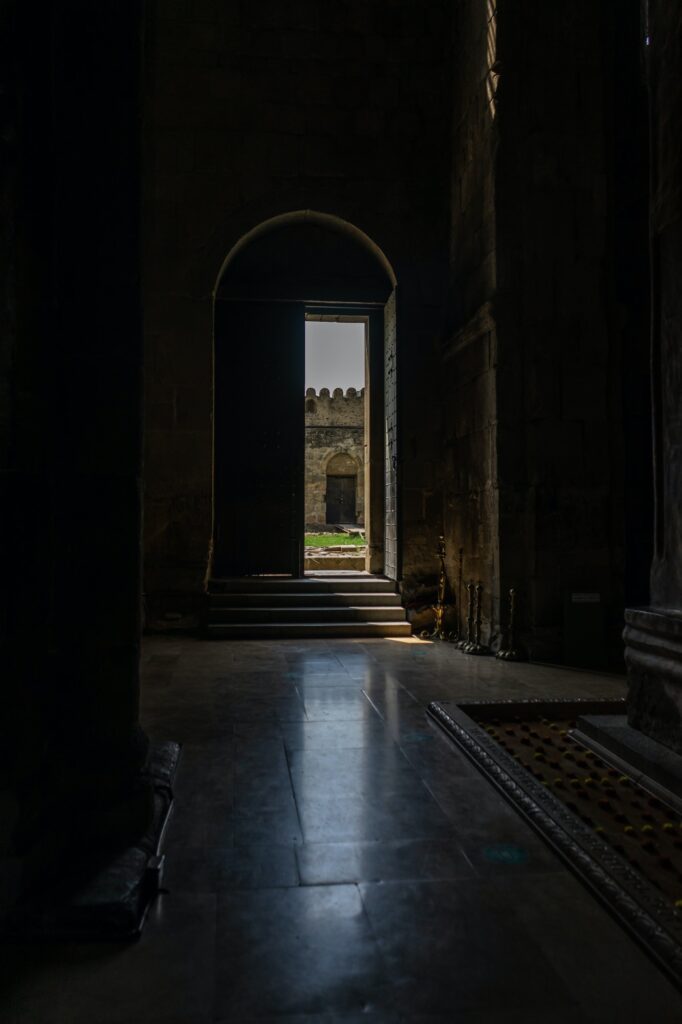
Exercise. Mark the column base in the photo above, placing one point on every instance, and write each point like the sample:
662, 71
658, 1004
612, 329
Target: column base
653, 656
98, 899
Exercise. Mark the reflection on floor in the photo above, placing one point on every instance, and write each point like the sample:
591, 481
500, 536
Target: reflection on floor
333, 858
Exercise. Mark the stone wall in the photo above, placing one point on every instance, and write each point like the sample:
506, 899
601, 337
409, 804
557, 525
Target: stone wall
653, 635
70, 441
559, 398
532, 453
467, 414
252, 111
473, 144
334, 429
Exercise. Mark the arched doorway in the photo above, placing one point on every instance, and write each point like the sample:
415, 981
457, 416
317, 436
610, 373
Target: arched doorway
343, 490
294, 267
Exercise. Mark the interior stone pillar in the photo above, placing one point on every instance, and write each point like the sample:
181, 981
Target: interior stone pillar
653, 635
72, 637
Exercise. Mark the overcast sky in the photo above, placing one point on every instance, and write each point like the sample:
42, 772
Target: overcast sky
334, 355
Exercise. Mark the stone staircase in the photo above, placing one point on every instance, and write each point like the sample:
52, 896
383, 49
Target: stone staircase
328, 605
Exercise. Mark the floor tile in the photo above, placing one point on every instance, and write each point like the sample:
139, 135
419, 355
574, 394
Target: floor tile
327, 863
199, 822
216, 869
366, 816
327, 704
333, 857
256, 827
616, 982
494, 837
262, 787
167, 976
347, 771
368, 1016
324, 735
305, 950
464, 937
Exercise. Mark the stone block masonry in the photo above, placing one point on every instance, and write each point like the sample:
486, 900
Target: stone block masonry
334, 446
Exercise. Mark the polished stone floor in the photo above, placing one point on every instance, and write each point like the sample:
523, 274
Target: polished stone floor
332, 857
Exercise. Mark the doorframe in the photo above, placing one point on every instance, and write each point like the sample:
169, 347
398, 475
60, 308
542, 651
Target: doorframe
372, 315
384, 536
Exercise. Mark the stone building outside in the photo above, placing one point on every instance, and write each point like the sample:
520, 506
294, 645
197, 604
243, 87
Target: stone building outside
334, 457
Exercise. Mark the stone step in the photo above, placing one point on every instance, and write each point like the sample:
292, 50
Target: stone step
327, 605
309, 630
346, 563
310, 600
356, 613
308, 585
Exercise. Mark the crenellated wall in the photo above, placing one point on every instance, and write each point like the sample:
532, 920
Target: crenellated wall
338, 408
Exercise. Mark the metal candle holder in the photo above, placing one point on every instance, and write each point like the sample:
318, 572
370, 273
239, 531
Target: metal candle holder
442, 585
463, 644
477, 647
460, 625
439, 607
510, 652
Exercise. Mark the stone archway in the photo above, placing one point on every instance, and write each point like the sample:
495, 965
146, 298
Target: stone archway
273, 277
342, 489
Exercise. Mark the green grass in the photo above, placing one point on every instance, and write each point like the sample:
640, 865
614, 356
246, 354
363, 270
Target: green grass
326, 540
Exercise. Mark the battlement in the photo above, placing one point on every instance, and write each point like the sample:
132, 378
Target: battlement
336, 409
324, 393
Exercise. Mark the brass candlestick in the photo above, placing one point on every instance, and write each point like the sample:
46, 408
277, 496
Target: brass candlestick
510, 652
477, 647
442, 586
439, 608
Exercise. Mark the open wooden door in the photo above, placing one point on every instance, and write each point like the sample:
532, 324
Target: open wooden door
259, 438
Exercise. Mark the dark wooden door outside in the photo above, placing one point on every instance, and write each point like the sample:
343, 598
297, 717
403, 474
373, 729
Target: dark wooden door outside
340, 499
259, 438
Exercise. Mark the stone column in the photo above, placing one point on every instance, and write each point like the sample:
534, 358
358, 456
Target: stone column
653, 635
73, 466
